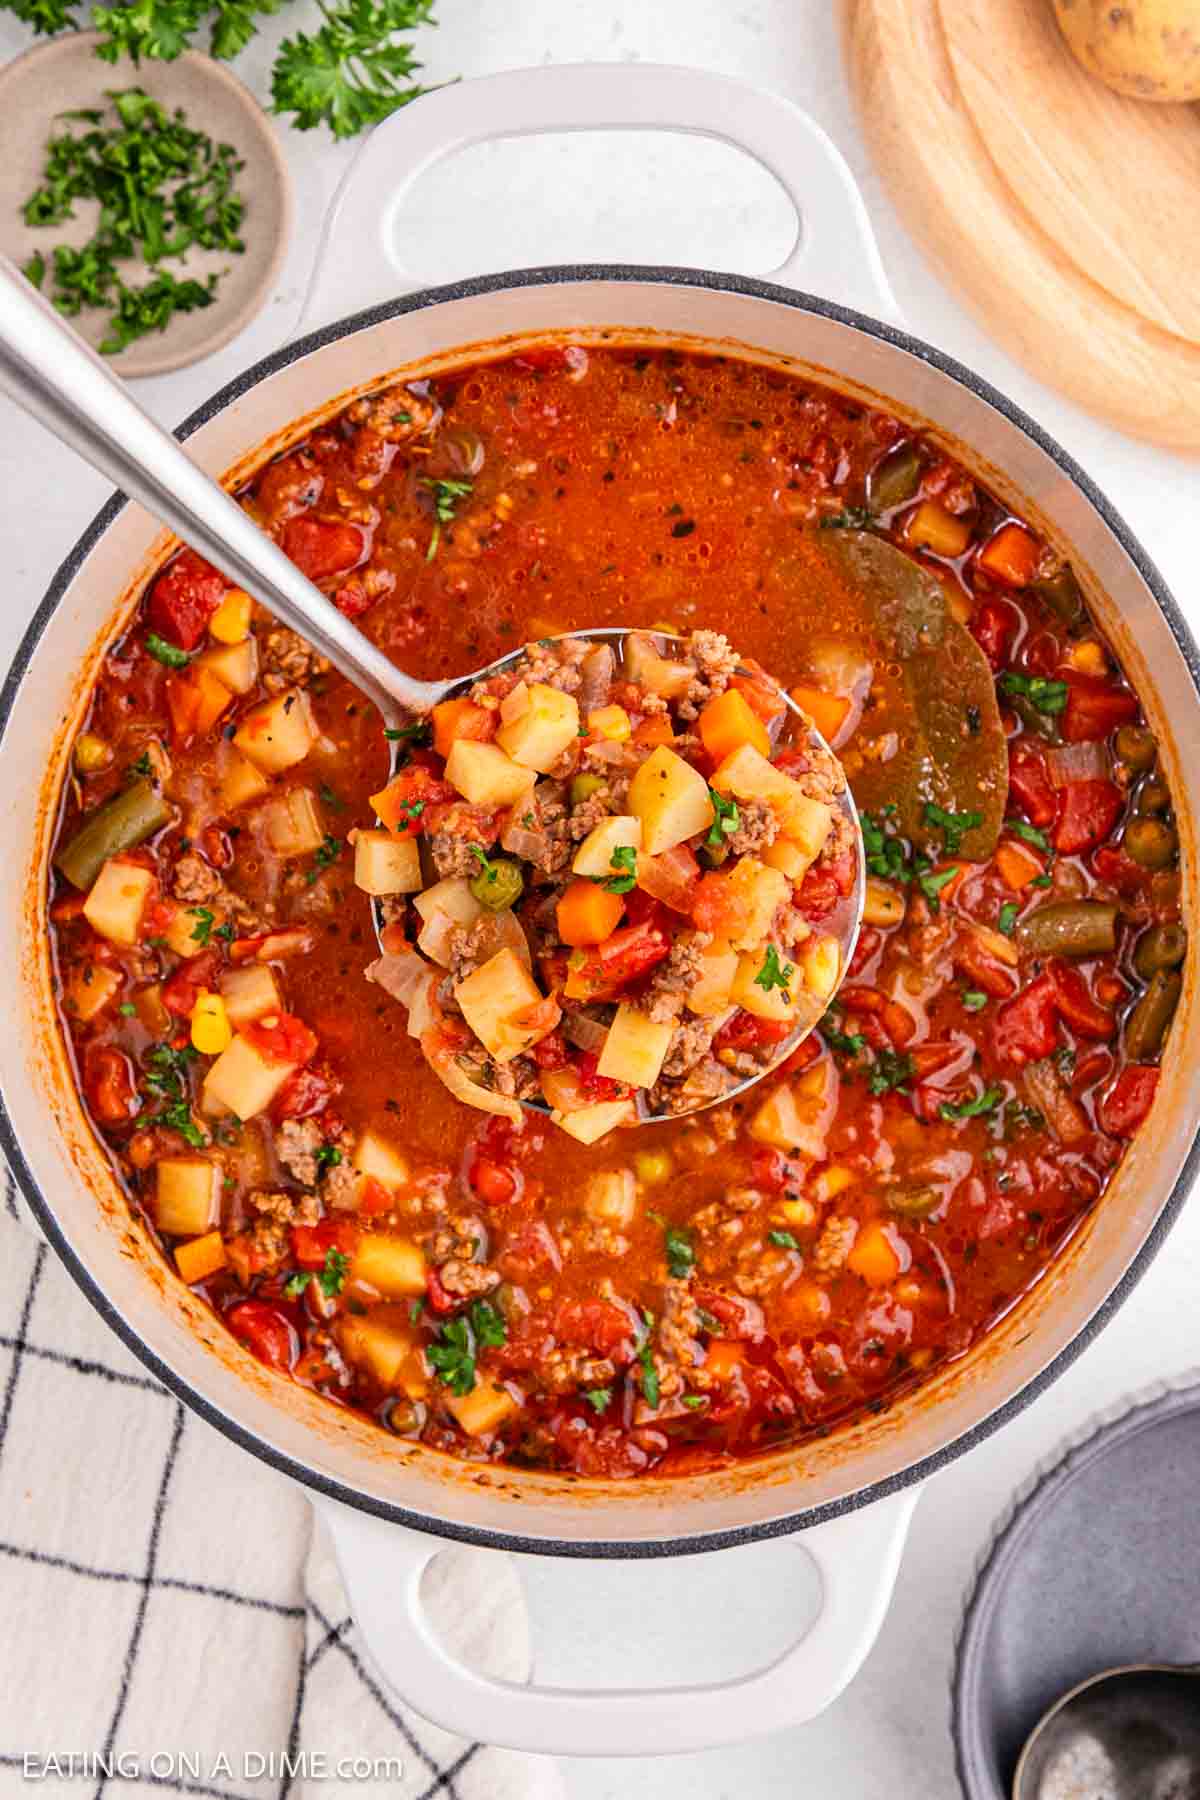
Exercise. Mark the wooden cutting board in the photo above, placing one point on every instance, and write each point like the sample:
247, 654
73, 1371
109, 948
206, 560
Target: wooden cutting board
1066, 216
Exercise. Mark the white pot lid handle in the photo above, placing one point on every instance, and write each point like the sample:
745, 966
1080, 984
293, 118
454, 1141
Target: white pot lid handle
361, 263
857, 1556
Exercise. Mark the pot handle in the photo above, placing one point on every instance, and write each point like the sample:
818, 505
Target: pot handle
857, 1556
360, 262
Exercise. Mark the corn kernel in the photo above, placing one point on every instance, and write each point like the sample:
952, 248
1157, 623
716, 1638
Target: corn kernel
1088, 657
211, 1031
653, 1167
799, 1212
832, 1181
611, 722
667, 627
231, 621
91, 753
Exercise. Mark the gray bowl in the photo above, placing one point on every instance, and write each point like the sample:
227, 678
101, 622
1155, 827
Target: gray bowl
1095, 1565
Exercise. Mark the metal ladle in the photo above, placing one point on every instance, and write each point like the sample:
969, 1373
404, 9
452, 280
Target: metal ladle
1127, 1734
53, 375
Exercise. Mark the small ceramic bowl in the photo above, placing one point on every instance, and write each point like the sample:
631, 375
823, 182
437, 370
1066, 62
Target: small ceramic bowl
1092, 1567
66, 74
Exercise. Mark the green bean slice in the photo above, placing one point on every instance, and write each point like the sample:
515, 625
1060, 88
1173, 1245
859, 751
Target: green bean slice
126, 820
1069, 928
1147, 1024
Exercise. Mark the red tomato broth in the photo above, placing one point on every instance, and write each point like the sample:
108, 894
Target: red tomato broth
626, 449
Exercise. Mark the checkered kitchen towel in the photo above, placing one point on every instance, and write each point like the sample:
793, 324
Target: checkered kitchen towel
168, 1609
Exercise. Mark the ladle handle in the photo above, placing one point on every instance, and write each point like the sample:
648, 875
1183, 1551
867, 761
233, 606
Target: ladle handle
53, 375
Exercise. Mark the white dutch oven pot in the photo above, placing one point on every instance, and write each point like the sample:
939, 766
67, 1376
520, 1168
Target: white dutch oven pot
390, 1503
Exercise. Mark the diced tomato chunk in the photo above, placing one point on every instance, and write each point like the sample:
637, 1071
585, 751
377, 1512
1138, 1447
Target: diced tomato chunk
1090, 809
599, 1325
181, 988
306, 1092
1026, 1028
994, 627
628, 953
1130, 1098
594, 1085
972, 961
109, 1085
266, 1331
551, 1051
311, 1244
735, 1315
1076, 1003
1094, 708
283, 1038
374, 1198
403, 804
745, 1032
1030, 788
184, 599
495, 1184
321, 548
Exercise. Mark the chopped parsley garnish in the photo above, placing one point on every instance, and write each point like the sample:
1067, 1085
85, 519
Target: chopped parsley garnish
1048, 696
127, 1009
953, 826
420, 732
890, 1070
892, 858
1006, 918
225, 931
983, 1103
332, 1276
681, 1254
774, 974
783, 1239
205, 920
848, 1043
446, 496
852, 518
327, 1156
328, 798
650, 1386
452, 1353
695, 1400
324, 856
296, 1283
598, 1398
166, 1080
726, 821
624, 861
1029, 834
973, 999
142, 765
168, 654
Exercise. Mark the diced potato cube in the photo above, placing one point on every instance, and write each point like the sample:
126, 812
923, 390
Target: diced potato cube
821, 964
187, 1195
241, 782
293, 823
485, 776
231, 621
393, 1266
375, 1157
484, 1409
635, 1048
279, 733
504, 1007
538, 724
832, 1181
776, 1003
242, 1080
384, 864
747, 775
757, 892
117, 900
443, 907
234, 665
658, 674
382, 1341
779, 1122
791, 861
594, 855
611, 1197
250, 993
590, 1123
200, 1258
709, 993
91, 989
671, 799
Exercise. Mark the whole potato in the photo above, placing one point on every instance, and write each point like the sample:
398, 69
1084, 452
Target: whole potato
1147, 49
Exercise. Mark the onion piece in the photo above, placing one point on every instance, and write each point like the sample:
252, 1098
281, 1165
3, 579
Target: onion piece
529, 846
1062, 1113
1077, 762
497, 931
596, 669
562, 1090
584, 1033
442, 1059
607, 751
398, 974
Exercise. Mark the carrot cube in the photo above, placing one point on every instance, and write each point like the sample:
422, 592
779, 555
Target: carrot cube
728, 722
875, 1255
201, 1257
827, 711
461, 718
587, 914
1011, 556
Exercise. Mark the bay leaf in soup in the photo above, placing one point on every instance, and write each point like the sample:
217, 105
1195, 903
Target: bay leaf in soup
952, 749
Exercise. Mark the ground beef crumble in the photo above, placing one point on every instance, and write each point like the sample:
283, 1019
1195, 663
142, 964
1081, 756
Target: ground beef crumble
288, 660
194, 882
757, 829
286, 1209
296, 1144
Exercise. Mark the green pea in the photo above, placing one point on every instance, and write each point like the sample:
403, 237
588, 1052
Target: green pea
1151, 843
584, 786
1162, 947
1136, 747
498, 884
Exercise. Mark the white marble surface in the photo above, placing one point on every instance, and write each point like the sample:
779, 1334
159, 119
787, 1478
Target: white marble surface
888, 1736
